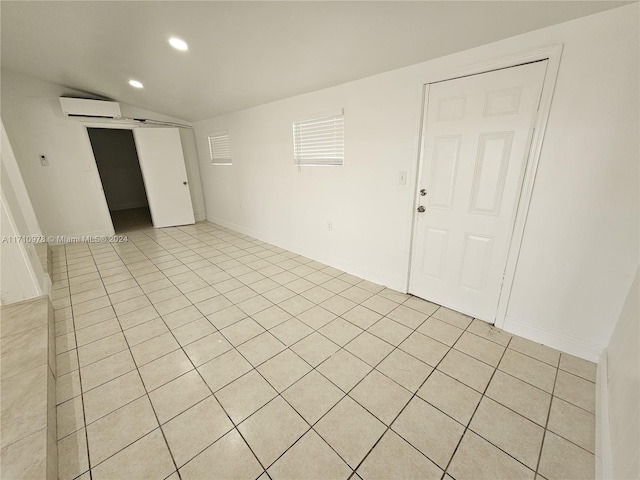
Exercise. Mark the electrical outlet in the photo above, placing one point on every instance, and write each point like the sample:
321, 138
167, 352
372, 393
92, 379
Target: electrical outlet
329, 225
402, 177
44, 161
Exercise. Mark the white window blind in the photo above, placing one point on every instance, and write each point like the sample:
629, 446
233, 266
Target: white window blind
319, 141
219, 148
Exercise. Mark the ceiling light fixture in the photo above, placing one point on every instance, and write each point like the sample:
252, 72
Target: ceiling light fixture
178, 44
135, 83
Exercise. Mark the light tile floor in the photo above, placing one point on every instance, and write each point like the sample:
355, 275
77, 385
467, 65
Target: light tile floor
200, 353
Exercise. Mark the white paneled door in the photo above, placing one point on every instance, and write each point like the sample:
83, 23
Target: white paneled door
165, 176
475, 144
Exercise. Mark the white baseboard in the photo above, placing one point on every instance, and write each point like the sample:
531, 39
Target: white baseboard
364, 272
553, 339
603, 441
200, 217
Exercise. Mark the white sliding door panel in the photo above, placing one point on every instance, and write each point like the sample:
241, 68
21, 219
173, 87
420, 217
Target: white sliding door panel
475, 144
165, 176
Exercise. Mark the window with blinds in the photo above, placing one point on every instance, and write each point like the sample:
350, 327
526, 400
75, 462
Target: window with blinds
319, 141
219, 148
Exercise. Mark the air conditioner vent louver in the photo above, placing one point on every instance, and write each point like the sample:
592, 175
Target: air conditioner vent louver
82, 107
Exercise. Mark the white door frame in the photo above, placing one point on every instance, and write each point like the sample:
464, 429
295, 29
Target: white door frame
553, 54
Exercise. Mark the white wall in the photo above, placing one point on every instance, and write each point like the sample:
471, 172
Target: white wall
120, 174
21, 273
67, 194
580, 244
618, 447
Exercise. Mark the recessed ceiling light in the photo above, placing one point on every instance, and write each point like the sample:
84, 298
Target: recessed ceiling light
178, 44
135, 83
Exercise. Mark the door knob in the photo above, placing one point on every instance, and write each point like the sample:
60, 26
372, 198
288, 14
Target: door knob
421, 209
423, 192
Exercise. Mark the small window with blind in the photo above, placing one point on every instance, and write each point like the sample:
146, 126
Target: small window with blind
219, 148
319, 141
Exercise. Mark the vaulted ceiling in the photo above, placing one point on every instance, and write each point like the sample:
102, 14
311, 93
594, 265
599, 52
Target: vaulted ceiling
243, 54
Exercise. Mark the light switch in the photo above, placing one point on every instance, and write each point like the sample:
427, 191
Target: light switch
44, 161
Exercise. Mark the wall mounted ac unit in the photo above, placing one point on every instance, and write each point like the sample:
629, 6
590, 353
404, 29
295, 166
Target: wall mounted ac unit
82, 107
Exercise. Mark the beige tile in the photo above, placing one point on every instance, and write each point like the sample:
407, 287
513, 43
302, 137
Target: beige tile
421, 305
67, 386
155, 348
201, 294
340, 331
69, 417
337, 304
119, 429
254, 305
106, 370
356, 294
362, 317
489, 332
316, 317
178, 395
24, 358
240, 294
407, 316
309, 458
452, 317
441, 331
149, 457
379, 304
576, 390
466, 369
25, 459
241, 331
528, 369
477, 458
561, 459
271, 317
393, 457
66, 362
480, 348
25, 350
73, 458
245, 395
164, 294
295, 305
165, 369
317, 294
381, 396
429, 430
519, 396
137, 317
229, 458
284, 370
125, 294
213, 305
272, 430
224, 369
573, 424
261, 348
336, 285
312, 396
578, 366
279, 294
97, 331
315, 348
132, 305
182, 317
390, 331
195, 429
405, 369
172, 305
193, 331
112, 395
207, 348
350, 430
146, 331
369, 348
344, 369
291, 331
535, 350
450, 396
508, 431
370, 286
424, 348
